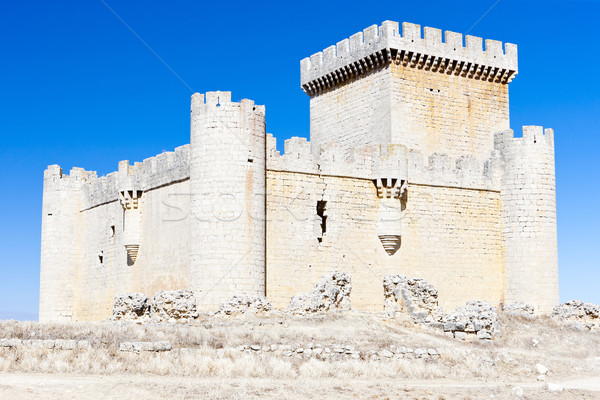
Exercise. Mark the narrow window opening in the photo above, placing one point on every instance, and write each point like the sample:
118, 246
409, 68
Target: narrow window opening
101, 257
321, 208
112, 231
49, 214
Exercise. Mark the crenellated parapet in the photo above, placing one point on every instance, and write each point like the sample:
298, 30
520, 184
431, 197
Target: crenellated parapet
424, 49
375, 162
54, 179
543, 139
153, 172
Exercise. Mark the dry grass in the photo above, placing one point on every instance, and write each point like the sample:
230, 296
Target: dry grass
566, 351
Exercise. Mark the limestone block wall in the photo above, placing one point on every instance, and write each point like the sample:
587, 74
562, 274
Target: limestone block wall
60, 251
529, 208
415, 89
450, 223
354, 114
228, 143
86, 228
452, 237
162, 261
445, 113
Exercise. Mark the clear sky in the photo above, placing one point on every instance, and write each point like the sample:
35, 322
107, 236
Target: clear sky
78, 88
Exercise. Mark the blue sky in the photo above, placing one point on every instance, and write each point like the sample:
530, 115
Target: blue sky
77, 88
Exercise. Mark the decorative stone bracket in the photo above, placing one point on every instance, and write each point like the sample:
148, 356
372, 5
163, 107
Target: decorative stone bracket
130, 199
389, 225
132, 221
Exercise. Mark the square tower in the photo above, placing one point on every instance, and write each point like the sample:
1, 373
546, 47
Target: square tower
415, 89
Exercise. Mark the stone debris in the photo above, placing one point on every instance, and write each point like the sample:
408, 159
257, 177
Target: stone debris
58, 344
541, 369
130, 307
420, 300
518, 309
412, 295
173, 306
332, 292
476, 318
145, 346
336, 351
10, 342
61, 344
576, 312
241, 304
517, 392
553, 387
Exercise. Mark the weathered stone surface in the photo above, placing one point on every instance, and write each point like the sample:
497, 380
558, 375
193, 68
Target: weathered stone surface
10, 342
242, 304
518, 309
130, 307
61, 344
332, 292
173, 305
477, 317
577, 312
412, 295
145, 346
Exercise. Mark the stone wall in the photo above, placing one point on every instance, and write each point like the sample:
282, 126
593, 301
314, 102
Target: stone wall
85, 228
385, 85
444, 113
227, 253
163, 259
451, 237
529, 212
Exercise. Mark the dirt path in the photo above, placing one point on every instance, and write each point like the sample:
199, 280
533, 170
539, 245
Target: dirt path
59, 386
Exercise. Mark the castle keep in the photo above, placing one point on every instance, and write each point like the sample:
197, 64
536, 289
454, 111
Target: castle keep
411, 168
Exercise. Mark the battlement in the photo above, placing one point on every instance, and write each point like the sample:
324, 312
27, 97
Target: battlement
375, 161
532, 135
153, 172
222, 99
55, 179
424, 49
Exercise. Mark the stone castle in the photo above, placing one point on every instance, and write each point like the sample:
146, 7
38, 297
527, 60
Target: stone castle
411, 168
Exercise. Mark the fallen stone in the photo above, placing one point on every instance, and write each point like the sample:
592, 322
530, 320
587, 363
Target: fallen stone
518, 309
578, 313
10, 342
332, 292
541, 369
412, 295
130, 307
552, 387
173, 306
61, 344
476, 317
241, 304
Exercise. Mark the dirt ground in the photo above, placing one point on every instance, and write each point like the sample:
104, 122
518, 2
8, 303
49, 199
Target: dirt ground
217, 369
60, 386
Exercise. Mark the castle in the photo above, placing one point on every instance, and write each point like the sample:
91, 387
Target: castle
411, 168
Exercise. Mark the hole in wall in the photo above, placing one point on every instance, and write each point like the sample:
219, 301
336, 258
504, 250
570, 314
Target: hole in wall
250, 160
101, 258
321, 208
